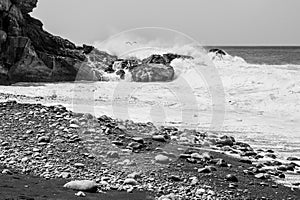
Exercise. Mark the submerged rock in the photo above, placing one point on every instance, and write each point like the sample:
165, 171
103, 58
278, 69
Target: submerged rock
218, 52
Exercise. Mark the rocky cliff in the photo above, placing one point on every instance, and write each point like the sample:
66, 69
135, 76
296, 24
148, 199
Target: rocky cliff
28, 53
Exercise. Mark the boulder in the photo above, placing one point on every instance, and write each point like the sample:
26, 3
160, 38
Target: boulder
152, 73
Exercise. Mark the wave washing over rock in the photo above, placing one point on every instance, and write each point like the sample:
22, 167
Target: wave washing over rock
31, 54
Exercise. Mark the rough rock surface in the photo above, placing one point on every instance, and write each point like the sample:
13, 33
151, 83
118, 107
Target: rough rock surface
29, 53
152, 72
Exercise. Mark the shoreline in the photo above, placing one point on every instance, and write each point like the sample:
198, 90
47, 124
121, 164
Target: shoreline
51, 141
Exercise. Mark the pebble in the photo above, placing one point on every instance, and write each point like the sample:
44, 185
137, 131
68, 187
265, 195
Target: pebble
65, 175
196, 156
134, 175
7, 171
112, 154
293, 159
261, 176
232, 185
45, 139
245, 161
171, 196
222, 163
160, 138
200, 191
79, 165
231, 178
175, 178
204, 170
74, 126
36, 150
138, 139
161, 159
130, 181
225, 142
194, 180
80, 194
82, 185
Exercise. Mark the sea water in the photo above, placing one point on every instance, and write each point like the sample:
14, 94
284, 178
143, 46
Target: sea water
257, 90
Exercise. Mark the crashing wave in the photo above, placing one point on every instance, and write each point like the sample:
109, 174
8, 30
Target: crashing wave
221, 57
158, 66
153, 68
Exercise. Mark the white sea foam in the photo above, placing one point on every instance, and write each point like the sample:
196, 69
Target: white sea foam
261, 101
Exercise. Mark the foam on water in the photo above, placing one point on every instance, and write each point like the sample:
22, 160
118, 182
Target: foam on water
262, 104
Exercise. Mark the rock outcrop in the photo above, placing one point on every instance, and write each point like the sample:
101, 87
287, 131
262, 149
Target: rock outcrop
29, 53
218, 52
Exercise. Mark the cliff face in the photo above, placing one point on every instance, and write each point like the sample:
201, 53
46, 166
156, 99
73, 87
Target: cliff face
28, 53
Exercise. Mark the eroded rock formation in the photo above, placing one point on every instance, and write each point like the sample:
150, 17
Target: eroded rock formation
31, 54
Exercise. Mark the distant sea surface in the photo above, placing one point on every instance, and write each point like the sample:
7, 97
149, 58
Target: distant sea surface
270, 55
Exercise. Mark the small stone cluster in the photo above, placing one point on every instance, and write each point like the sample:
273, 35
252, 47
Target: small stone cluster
102, 154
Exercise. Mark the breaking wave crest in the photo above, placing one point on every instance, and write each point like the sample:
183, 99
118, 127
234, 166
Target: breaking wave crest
194, 57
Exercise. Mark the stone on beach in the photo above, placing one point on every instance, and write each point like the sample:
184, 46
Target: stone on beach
231, 178
7, 171
160, 138
113, 154
54, 160
80, 194
161, 159
82, 185
130, 181
293, 159
45, 139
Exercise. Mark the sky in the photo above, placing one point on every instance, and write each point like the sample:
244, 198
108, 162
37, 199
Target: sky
209, 22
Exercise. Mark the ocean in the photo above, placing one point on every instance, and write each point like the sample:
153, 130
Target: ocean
269, 55
252, 94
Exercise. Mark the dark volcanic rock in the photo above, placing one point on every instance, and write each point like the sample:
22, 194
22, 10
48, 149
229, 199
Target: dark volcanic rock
31, 54
164, 59
218, 51
152, 72
26, 6
155, 59
169, 57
